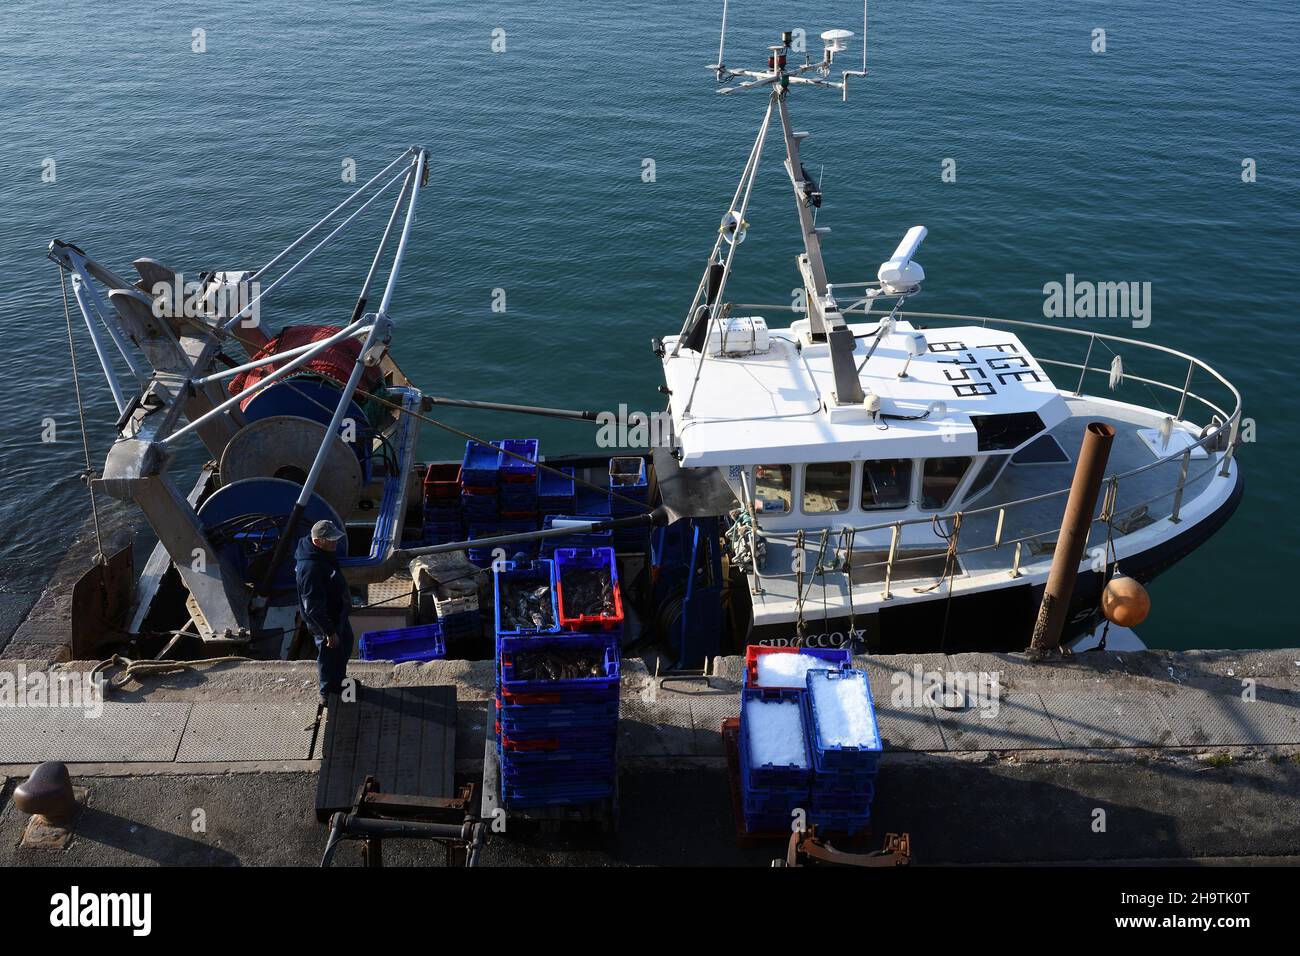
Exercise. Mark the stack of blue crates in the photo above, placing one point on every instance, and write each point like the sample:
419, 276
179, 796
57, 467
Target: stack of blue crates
518, 487
589, 502
480, 479
481, 557
627, 480
555, 492
770, 794
556, 739
442, 513
844, 778
835, 786
442, 523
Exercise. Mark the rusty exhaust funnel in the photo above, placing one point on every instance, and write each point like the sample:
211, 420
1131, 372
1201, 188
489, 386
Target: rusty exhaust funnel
1079, 508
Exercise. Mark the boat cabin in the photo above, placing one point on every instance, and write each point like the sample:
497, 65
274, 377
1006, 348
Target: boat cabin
945, 411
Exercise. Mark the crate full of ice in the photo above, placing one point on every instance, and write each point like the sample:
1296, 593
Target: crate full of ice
844, 734
789, 666
773, 742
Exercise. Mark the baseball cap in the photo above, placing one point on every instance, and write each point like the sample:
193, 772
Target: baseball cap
326, 531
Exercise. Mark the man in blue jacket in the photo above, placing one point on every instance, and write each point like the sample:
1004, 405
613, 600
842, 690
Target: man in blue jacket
325, 602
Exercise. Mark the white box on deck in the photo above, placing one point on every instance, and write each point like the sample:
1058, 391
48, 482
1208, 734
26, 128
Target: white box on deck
737, 335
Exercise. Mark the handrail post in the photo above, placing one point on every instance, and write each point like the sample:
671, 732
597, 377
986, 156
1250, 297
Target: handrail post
997, 534
1092, 340
889, 565
1182, 481
1182, 400
1015, 561
1232, 446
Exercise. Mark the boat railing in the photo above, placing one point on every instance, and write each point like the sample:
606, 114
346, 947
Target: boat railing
1166, 502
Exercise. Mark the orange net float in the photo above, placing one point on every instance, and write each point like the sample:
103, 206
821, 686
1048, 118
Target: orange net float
1125, 602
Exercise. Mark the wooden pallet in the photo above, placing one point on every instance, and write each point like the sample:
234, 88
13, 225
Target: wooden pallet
404, 737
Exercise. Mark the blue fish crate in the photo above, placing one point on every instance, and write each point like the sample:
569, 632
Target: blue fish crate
556, 747
592, 783
423, 643
518, 504
591, 501
482, 556
591, 763
442, 514
520, 718
775, 801
481, 467
856, 796
555, 491
831, 758
512, 469
524, 798
620, 508
575, 766
480, 507
569, 561
770, 777
461, 624
513, 575
839, 656
517, 687
586, 772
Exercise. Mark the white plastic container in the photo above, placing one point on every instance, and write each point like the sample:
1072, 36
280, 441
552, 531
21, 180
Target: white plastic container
738, 335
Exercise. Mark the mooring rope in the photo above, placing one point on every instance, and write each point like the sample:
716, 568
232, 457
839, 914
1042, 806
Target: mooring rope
132, 668
846, 537
949, 570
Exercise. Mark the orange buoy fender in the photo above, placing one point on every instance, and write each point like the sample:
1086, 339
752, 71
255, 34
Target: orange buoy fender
1125, 602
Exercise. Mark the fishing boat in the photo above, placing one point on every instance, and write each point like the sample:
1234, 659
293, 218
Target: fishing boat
866, 476
898, 478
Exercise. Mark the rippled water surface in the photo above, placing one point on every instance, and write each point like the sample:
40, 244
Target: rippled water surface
1122, 166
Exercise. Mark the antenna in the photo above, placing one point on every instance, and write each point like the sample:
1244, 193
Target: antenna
718, 68
844, 75
779, 72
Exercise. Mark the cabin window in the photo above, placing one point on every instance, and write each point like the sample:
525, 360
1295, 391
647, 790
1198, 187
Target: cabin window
826, 487
772, 488
984, 477
939, 479
886, 484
